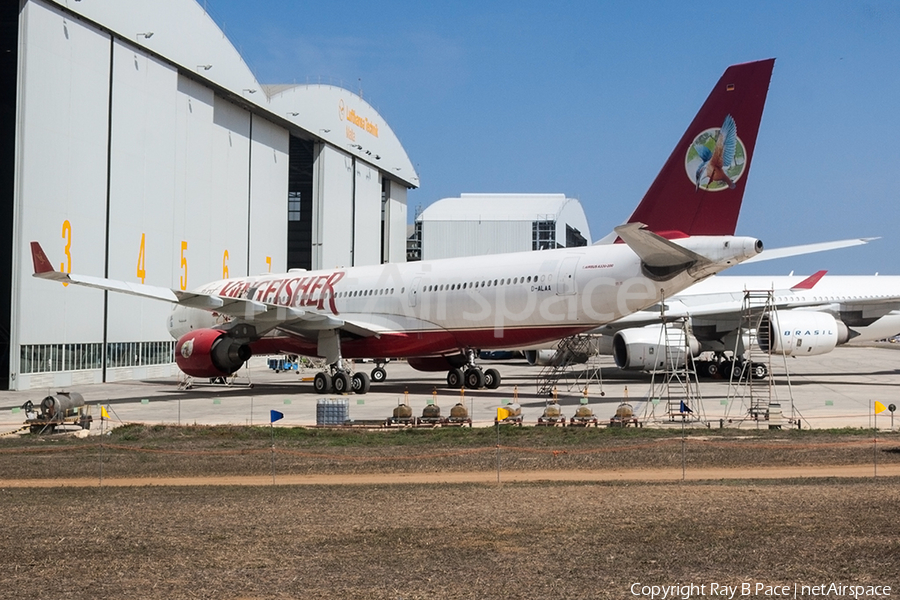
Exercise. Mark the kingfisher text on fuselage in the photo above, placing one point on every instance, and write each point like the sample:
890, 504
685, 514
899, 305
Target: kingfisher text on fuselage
313, 290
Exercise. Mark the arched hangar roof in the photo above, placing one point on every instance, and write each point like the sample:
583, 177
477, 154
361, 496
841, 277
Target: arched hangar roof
183, 33
346, 121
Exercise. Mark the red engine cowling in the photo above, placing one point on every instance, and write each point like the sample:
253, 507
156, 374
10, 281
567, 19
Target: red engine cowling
211, 353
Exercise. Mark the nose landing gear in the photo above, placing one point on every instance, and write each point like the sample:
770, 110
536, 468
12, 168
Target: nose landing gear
378, 373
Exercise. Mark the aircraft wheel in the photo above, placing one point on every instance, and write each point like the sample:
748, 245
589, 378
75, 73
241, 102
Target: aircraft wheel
455, 378
378, 374
759, 370
341, 383
729, 369
361, 383
700, 367
492, 379
322, 383
709, 368
474, 378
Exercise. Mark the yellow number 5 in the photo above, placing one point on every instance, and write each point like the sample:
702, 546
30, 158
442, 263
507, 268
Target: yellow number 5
183, 266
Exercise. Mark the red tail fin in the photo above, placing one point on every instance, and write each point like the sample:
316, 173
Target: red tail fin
700, 188
810, 282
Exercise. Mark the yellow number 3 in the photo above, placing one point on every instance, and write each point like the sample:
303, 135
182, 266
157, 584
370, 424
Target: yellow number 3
66, 267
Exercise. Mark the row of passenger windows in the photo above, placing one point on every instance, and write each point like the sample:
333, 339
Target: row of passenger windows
446, 286
485, 283
49, 358
362, 293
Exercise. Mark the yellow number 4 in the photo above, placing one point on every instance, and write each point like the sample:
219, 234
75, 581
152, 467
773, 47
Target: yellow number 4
141, 270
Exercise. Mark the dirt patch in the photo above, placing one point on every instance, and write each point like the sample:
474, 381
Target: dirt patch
187, 514
520, 540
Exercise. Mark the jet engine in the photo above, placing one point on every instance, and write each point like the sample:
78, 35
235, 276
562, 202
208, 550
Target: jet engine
211, 353
800, 333
541, 358
645, 348
556, 357
437, 363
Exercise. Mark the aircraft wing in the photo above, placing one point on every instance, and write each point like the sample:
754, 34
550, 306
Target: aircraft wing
264, 316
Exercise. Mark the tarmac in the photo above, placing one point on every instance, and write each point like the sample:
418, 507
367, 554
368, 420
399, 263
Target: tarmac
823, 392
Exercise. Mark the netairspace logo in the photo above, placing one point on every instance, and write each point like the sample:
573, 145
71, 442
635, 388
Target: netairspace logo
748, 589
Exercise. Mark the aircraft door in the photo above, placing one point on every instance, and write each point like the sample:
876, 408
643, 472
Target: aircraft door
414, 292
565, 277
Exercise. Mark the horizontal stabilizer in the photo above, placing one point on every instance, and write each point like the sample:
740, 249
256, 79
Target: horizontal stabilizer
656, 251
807, 249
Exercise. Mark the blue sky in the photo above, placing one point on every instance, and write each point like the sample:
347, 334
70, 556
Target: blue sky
589, 99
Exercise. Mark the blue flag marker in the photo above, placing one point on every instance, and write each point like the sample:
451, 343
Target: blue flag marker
685, 408
274, 415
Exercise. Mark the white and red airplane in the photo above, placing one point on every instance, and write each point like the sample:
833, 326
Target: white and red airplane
437, 313
791, 316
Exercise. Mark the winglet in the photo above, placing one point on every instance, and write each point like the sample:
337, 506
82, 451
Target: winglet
40, 260
42, 266
809, 282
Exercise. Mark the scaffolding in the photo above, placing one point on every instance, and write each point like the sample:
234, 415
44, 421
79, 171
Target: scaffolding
674, 394
572, 351
751, 385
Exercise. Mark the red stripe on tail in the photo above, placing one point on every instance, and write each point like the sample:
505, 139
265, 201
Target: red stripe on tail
810, 282
700, 188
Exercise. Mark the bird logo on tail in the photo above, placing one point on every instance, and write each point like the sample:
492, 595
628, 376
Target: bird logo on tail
716, 159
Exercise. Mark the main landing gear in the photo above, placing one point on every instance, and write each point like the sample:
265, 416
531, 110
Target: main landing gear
340, 381
336, 378
727, 368
473, 377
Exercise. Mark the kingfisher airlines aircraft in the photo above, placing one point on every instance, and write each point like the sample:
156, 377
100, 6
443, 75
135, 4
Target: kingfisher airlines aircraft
438, 313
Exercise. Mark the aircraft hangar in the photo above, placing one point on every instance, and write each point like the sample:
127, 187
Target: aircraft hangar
138, 145
479, 224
